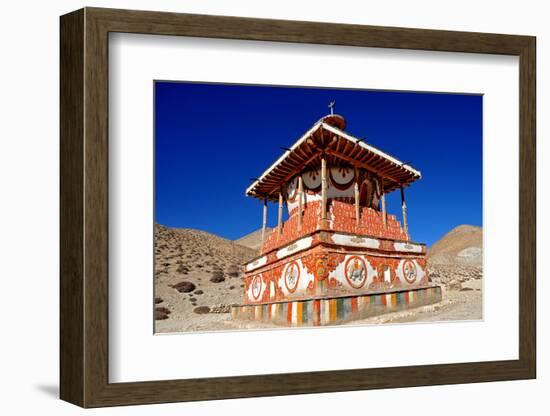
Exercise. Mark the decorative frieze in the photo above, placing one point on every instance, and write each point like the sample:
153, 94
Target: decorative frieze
334, 311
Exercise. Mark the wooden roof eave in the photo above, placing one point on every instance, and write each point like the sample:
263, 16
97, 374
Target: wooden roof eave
250, 190
395, 172
371, 149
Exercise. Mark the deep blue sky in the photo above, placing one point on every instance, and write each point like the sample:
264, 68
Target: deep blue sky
210, 139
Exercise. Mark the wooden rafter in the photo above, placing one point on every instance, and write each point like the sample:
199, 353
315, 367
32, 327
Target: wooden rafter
340, 149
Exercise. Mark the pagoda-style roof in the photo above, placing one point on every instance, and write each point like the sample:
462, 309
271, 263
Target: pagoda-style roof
340, 149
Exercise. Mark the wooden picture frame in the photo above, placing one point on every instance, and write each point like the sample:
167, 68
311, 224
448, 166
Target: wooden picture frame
84, 207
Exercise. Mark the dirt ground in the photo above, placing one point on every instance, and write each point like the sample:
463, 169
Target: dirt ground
197, 277
462, 305
457, 305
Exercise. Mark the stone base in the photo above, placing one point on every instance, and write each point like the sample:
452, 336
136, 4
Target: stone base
336, 310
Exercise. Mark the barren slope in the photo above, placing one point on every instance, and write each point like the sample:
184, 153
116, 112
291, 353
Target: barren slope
197, 275
460, 246
254, 239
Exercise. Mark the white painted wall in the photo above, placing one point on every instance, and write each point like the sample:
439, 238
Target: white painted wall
29, 209
312, 178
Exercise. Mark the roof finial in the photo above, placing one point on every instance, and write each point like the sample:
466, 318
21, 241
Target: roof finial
331, 106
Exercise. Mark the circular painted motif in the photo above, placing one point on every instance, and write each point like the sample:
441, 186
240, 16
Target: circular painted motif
312, 179
356, 272
292, 275
409, 271
256, 286
342, 177
291, 189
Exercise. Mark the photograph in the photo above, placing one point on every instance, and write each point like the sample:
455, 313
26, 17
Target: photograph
294, 207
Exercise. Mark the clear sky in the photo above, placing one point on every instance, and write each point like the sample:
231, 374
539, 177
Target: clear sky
211, 139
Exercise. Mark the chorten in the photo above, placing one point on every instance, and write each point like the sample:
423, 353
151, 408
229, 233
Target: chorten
339, 256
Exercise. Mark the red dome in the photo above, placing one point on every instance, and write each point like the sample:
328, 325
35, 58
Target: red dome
335, 120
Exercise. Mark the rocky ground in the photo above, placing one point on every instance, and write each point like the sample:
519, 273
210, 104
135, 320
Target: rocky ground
458, 304
197, 277
454, 276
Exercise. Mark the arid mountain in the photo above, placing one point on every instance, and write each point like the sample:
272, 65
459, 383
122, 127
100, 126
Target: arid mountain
197, 274
254, 239
195, 244
462, 245
456, 261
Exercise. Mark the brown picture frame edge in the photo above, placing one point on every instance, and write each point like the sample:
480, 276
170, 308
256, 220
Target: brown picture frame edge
84, 207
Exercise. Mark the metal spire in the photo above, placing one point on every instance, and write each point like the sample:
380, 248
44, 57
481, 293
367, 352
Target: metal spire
331, 106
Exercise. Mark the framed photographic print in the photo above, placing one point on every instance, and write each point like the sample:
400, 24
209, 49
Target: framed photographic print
255, 207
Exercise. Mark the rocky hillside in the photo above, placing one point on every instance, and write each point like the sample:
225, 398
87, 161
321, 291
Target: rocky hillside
254, 239
460, 246
196, 249
196, 273
456, 260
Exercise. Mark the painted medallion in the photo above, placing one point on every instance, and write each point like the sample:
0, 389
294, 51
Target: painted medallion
257, 286
356, 272
409, 271
312, 180
292, 275
342, 177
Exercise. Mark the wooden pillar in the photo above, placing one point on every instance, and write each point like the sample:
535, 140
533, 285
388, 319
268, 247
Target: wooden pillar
357, 206
300, 200
383, 200
280, 219
404, 209
323, 188
264, 222
380, 184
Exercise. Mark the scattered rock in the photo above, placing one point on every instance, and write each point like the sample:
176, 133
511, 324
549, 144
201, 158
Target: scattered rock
464, 289
202, 310
447, 274
198, 292
221, 308
184, 287
161, 313
158, 300
182, 269
217, 277
232, 271
193, 299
